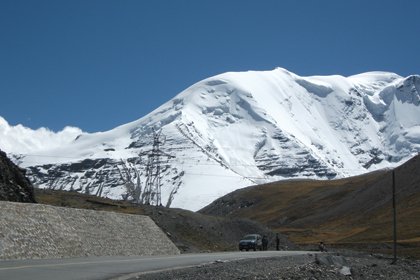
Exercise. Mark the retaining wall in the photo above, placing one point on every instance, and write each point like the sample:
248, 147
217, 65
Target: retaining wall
29, 231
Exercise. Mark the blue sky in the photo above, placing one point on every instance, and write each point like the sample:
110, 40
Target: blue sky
97, 64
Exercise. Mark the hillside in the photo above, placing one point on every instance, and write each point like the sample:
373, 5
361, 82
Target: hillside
355, 211
230, 131
189, 231
14, 186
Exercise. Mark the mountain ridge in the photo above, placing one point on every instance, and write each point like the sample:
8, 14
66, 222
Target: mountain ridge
241, 128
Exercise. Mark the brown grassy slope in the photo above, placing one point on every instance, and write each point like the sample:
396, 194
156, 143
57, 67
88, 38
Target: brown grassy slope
351, 210
83, 201
190, 232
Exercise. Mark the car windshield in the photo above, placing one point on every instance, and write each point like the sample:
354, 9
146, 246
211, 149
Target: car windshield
249, 237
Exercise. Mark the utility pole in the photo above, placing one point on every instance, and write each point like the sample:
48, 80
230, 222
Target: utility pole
394, 207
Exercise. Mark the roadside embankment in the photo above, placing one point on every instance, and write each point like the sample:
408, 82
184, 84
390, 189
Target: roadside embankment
29, 231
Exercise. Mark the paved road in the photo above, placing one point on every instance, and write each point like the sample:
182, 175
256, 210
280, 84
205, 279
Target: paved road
91, 268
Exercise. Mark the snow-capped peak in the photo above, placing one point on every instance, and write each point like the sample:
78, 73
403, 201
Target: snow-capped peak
237, 129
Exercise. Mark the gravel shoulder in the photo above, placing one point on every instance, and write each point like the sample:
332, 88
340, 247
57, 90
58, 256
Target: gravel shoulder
337, 265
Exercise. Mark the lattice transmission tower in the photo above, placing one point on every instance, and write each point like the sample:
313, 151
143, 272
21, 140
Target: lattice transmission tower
152, 193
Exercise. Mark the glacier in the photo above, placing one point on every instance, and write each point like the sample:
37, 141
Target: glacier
234, 130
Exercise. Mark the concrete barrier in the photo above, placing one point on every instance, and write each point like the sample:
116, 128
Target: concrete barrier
30, 231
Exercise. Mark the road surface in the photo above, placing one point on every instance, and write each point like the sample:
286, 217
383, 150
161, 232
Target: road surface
100, 268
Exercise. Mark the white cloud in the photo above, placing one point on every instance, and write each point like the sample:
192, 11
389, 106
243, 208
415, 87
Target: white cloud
19, 139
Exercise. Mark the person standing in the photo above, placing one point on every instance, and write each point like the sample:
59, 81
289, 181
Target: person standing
322, 247
265, 242
277, 242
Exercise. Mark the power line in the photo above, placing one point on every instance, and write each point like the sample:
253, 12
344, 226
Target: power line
222, 175
181, 163
48, 156
204, 164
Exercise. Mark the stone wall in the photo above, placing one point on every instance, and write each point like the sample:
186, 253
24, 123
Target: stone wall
29, 231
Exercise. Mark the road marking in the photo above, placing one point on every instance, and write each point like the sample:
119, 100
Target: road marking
144, 258
84, 263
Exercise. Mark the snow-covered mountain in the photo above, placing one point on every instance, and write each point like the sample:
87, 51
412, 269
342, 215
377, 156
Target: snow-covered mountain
230, 131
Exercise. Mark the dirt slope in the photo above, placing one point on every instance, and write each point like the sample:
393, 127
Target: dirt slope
352, 210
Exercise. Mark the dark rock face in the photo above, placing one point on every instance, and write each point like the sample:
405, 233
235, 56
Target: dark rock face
14, 186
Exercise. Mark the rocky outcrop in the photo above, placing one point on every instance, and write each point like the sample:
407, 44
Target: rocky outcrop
14, 186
